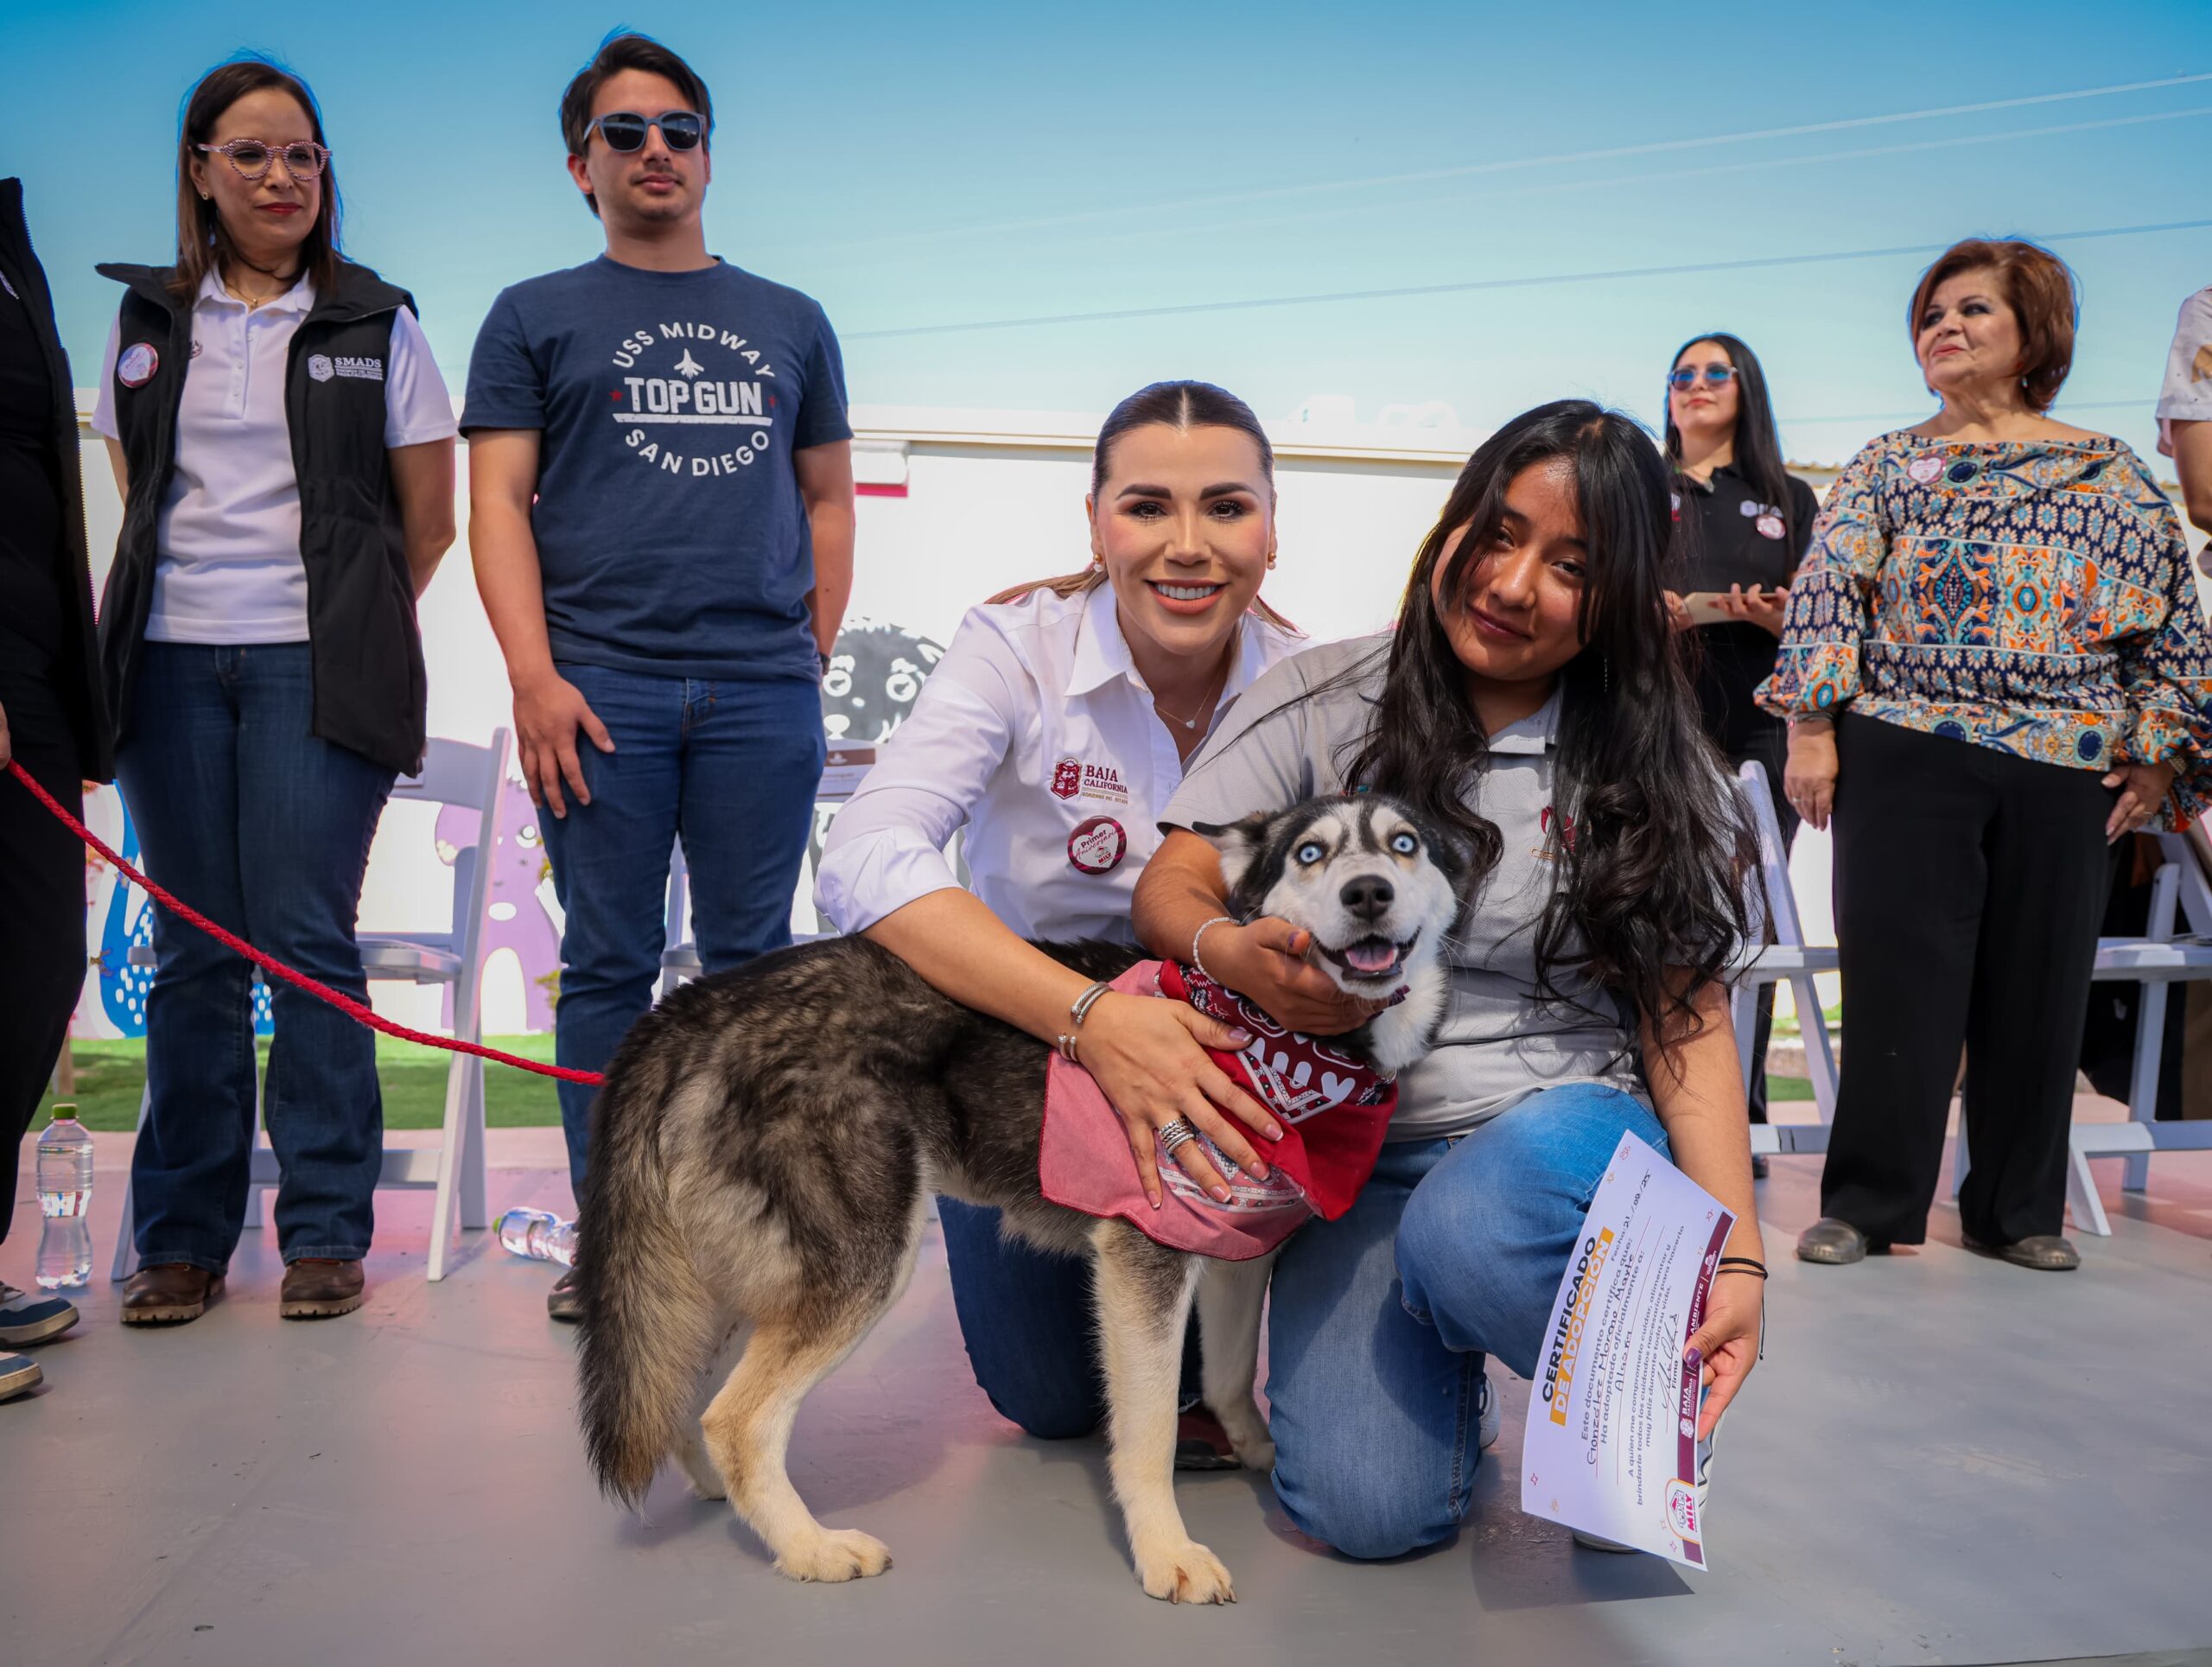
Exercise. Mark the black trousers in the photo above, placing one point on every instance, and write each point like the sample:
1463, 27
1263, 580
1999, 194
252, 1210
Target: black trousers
1968, 888
42, 911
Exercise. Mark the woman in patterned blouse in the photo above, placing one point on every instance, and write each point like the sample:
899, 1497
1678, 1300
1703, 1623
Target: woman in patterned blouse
1994, 663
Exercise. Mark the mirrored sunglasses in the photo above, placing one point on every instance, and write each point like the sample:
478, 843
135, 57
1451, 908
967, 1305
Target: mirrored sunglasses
625, 130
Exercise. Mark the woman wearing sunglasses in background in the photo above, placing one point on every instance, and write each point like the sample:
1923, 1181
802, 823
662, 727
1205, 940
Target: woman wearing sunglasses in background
284, 450
1741, 525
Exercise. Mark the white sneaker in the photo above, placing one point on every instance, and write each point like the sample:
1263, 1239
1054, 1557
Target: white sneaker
19, 1375
1489, 1415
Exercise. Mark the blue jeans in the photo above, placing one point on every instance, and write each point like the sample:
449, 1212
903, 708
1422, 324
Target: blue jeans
265, 829
1379, 1321
732, 767
1026, 1317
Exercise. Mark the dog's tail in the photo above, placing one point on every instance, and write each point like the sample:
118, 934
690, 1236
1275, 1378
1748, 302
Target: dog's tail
647, 1319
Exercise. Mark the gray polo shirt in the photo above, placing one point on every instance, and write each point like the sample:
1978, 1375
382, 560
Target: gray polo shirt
1292, 736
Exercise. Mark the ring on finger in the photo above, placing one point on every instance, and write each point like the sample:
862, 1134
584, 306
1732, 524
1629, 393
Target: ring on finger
1174, 1134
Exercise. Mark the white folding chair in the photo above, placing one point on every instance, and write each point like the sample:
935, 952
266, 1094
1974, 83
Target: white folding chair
1790, 959
2159, 959
455, 773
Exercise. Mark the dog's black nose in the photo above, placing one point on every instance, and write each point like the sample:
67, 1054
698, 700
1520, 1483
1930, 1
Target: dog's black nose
1368, 894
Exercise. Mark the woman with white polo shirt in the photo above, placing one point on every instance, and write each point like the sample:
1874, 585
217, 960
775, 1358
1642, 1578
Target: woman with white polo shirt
1054, 730
283, 444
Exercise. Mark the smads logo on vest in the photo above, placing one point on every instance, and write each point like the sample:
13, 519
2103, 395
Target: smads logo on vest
322, 367
694, 399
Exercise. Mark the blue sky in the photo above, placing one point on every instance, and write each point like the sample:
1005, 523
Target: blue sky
916, 167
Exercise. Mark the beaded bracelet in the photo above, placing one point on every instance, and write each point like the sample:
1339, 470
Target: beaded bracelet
1218, 921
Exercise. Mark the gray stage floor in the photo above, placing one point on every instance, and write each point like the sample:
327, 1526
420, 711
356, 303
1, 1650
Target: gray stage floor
1942, 1459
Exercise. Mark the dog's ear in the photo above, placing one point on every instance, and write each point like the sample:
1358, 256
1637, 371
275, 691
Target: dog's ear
1240, 843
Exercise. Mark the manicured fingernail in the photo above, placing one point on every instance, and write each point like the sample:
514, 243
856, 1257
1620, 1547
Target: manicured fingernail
1259, 1169
1274, 1131
1694, 1359
1240, 1037
1220, 1194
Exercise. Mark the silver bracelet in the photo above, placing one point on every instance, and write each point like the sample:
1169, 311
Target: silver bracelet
1218, 921
1066, 1042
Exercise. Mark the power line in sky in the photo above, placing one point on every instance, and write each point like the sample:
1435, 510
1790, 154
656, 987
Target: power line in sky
1217, 199
1409, 291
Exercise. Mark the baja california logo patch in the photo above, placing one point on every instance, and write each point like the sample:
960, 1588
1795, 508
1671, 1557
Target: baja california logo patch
136, 366
1067, 778
1098, 846
320, 367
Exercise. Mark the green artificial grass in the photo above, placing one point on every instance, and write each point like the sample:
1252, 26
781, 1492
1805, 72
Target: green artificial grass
111, 1076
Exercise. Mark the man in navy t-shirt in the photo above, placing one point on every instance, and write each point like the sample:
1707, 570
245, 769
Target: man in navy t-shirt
660, 471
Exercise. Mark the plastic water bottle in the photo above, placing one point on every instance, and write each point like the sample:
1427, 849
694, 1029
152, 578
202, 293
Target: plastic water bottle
538, 1234
65, 1199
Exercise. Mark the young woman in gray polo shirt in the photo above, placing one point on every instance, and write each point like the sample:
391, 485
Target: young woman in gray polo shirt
1531, 698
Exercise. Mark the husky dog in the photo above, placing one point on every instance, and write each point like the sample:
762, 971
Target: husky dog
767, 1140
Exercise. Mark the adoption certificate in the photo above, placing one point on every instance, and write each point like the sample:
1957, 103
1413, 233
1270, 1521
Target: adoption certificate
1611, 1441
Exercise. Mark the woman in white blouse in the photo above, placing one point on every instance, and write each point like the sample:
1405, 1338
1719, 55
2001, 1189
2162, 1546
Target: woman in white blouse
1054, 730
283, 445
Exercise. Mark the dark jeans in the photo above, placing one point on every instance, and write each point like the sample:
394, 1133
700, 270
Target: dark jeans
42, 911
1027, 1318
265, 829
1968, 886
732, 767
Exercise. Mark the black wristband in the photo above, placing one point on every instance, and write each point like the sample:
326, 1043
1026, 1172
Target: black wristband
1747, 1263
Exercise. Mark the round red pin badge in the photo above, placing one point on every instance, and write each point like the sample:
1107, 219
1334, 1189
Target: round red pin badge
1098, 846
136, 368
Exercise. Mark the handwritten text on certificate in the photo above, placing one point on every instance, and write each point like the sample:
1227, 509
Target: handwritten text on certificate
1612, 1443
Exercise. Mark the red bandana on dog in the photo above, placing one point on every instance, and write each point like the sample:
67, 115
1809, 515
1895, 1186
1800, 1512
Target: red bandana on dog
1334, 1112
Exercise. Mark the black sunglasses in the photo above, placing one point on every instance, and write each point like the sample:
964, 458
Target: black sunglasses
1718, 375
625, 130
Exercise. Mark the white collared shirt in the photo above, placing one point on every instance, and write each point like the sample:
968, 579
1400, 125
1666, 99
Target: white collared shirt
1036, 733
228, 537
2185, 396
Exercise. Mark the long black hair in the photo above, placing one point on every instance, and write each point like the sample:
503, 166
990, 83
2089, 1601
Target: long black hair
1650, 879
1758, 444
1183, 405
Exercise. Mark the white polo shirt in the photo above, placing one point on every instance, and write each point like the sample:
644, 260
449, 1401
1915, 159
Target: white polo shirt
1036, 733
2185, 395
228, 538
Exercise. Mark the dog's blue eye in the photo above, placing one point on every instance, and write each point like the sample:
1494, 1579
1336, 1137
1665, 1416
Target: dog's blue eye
1404, 844
1311, 852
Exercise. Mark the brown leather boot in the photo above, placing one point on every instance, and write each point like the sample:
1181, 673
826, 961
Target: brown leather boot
169, 1294
318, 1289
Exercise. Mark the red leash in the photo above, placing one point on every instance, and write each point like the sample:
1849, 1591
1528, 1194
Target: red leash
337, 998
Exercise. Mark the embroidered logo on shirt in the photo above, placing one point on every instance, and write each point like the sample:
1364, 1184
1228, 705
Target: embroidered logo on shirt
1544, 853
691, 383
322, 367
1098, 845
136, 368
1072, 776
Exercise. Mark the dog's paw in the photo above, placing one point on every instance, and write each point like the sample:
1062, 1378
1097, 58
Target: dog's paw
706, 1481
1187, 1573
1247, 1436
835, 1553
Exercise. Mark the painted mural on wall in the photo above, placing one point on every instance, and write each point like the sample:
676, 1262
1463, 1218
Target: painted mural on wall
874, 675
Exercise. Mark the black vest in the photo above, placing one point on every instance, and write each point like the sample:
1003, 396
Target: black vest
369, 689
